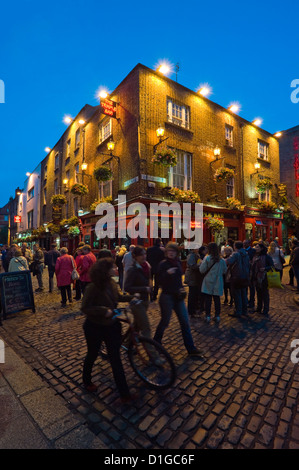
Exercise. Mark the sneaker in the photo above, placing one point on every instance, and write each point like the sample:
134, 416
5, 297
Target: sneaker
195, 353
208, 319
217, 319
91, 387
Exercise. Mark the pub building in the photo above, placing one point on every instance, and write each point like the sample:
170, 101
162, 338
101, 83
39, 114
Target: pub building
147, 114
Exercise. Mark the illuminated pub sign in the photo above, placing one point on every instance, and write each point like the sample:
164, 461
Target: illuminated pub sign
108, 107
17, 219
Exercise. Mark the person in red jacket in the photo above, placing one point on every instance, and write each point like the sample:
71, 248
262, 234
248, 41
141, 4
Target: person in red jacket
86, 262
63, 270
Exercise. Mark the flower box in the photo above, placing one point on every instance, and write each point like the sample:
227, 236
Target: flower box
79, 189
214, 224
181, 195
263, 185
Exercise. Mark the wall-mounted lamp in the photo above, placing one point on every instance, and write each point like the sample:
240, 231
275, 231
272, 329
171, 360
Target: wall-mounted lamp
111, 146
65, 181
217, 152
84, 166
160, 131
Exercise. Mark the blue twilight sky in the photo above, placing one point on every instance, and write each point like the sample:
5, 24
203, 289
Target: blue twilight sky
54, 56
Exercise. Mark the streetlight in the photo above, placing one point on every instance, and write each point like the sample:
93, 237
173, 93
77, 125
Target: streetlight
111, 146
217, 152
84, 166
47, 149
67, 119
257, 122
234, 108
205, 90
160, 131
278, 134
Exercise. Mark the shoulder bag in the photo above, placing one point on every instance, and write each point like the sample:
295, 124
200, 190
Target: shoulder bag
75, 274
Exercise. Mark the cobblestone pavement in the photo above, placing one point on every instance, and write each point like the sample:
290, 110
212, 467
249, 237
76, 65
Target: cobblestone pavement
244, 395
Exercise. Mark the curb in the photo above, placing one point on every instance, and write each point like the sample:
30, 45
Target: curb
34, 416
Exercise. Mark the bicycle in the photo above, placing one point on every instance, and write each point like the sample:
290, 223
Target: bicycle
149, 359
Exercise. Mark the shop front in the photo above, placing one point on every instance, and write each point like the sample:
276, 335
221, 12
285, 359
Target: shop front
263, 226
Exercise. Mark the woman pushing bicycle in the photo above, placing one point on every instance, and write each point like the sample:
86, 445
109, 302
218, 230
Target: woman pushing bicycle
100, 299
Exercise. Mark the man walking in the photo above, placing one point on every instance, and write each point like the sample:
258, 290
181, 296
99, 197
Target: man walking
50, 261
154, 255
87, 261
240, 269
38, 260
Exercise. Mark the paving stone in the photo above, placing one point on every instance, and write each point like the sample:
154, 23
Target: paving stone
200, 436
215, 440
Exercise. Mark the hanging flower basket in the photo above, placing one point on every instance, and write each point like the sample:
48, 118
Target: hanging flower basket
94, 205
266, 206
263, 185
103, 173
79, 189
184, 196
214, 224
223, 174
165, 157
73, 232
53, 228
58, 200
233, 203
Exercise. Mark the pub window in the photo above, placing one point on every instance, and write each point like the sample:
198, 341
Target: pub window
229, 135
265, 197
263, 150
180, 176
77, 171
230, 187
30, 219
30, 194
77, 138
56, 161
105, 130
56, 186
68, 148
178, 114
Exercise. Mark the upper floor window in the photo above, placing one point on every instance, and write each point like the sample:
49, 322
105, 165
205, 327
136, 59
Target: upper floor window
180, 176
230, 187
77, 138
56, 161
30, 194
229, 135
263, 150
30, 219
68, 148
178, 114
45, 195
105, 189
265, 197
77, 171
45, 172
105, 130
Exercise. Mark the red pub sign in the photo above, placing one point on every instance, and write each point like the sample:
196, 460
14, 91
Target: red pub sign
17, 219
108, 107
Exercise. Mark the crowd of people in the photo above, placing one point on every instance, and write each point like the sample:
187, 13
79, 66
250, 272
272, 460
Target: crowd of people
237, 271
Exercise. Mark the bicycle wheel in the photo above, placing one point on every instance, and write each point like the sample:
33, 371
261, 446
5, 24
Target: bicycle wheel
104, 353
152, 363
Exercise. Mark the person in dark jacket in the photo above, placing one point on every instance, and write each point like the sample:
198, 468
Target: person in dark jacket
39, 264
138, 281
170, 280
251, 253
294, 261
239, 281
261, 263
50, 261
99, 300
192, 279
154, 255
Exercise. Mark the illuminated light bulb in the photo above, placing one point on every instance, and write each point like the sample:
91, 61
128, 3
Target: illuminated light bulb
67, 119
257, 166
205, 90
28, 173
103, 94
84, 166
65, 181
257, 122
47, 149
278, 134
81, 121
234, 108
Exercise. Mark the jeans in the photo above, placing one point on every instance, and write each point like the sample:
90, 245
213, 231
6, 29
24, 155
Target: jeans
65, 290
296, 273
263, 299
167, 304
39, 275
240, 299
111, 335
208, 304
141, 322
78, 289
51, 280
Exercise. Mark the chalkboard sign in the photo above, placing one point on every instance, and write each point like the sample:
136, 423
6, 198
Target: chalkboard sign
16, 292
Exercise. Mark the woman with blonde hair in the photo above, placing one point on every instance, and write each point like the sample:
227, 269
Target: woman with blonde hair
18, 262
277, 256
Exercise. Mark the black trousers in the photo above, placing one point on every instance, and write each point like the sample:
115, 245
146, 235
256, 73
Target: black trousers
111, 335
78, 289
65, 290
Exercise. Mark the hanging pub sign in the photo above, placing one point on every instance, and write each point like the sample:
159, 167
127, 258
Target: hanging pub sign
108, 107
17, 219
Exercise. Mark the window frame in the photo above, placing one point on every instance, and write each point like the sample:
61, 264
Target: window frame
229, 135
187, 178
178, 113
103, 124
266, 145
